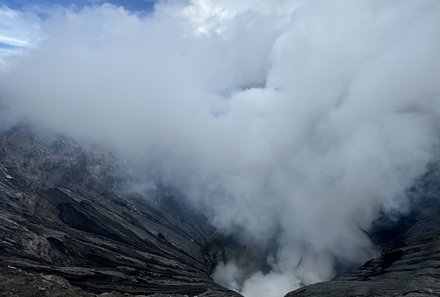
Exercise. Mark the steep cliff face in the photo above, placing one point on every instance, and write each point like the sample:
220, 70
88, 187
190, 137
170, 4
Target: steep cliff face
410, 261
68, 225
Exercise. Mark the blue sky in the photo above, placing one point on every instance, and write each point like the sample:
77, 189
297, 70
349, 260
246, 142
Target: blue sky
19, 31
134, 5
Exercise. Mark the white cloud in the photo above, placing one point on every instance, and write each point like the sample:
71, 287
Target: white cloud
18, 31
293, 127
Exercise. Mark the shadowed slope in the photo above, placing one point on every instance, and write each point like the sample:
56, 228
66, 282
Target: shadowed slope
64, 212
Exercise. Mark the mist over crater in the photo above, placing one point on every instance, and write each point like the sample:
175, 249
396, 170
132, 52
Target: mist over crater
291, 124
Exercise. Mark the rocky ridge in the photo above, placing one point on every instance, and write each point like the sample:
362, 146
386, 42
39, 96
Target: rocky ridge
68, 227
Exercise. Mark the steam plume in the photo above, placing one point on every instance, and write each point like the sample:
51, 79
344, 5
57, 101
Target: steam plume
291, 123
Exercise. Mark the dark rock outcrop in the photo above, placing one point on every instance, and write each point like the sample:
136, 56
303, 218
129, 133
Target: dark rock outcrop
409, 265
70, 227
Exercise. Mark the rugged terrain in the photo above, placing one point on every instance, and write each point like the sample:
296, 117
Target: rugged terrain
71, 225
410, 261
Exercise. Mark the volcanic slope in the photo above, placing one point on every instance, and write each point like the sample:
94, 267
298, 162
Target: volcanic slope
70, 225
409, 265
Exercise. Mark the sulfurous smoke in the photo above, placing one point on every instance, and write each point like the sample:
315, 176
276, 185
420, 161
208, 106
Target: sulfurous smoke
292, 124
